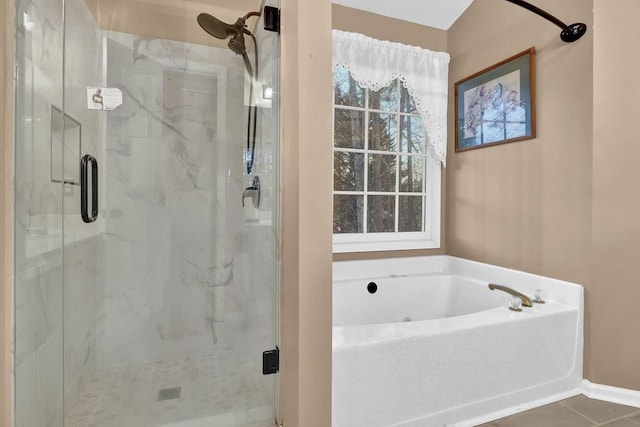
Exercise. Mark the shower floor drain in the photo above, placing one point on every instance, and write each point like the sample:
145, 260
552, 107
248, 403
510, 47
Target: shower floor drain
169, 393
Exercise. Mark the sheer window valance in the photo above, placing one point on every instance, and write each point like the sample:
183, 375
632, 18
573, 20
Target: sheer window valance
374, 64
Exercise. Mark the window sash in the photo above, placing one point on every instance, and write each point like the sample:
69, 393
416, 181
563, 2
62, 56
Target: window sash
430, 193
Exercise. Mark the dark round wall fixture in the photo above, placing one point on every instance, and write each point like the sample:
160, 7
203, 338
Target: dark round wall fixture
372, 287
570, 33
573, 32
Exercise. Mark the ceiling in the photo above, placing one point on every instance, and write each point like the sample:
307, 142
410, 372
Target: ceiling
433, 13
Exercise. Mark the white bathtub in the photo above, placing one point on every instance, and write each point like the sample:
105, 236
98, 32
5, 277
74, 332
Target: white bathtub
434, 346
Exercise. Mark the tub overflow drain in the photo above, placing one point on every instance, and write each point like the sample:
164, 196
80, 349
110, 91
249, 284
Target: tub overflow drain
407, 319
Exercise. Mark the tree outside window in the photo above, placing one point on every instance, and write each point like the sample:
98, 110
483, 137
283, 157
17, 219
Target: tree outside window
380, 160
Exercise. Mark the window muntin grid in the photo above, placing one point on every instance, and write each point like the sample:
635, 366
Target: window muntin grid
373, 172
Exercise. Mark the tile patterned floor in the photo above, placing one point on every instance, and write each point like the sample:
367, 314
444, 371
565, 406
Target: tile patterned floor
217, 390
578, 411
216, 393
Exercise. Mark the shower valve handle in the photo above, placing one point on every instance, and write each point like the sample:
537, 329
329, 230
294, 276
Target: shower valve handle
253, 192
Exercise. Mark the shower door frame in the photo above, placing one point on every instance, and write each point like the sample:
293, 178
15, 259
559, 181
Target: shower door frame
7, 243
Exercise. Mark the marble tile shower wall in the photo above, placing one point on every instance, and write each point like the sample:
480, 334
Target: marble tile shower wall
177, 270
43, 366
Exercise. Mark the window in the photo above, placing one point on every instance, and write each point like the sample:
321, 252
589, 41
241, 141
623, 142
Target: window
386, 185
390, 139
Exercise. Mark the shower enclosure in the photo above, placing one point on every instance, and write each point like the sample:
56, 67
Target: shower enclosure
146, 288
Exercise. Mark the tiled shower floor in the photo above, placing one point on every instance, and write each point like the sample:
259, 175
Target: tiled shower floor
216, 390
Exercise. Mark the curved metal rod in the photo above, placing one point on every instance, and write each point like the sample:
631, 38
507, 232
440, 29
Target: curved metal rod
540, 12
250, 14
570, 33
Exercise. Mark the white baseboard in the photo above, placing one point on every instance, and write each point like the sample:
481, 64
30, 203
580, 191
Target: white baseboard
607, 393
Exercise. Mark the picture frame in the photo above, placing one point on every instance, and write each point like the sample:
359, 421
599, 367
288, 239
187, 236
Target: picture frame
497, 105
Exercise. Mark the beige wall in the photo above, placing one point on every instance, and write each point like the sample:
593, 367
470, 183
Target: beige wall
384, 28
6, 209
305, 396
563, 204
615, 289
526, 205
166, 19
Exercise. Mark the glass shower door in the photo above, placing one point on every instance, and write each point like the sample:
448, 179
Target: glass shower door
38, 240
146, 287
170, 295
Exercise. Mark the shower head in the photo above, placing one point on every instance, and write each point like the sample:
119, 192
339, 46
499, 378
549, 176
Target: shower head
237, 45
569, 34
221, 30
573, 32
215, 27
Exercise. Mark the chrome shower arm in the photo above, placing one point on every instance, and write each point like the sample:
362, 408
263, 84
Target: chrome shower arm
535, 9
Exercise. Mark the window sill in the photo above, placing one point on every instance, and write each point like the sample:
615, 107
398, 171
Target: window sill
347, 243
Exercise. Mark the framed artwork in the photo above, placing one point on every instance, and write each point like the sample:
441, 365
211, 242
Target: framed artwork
497, 105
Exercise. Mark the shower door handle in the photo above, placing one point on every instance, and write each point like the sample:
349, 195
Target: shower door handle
84, 178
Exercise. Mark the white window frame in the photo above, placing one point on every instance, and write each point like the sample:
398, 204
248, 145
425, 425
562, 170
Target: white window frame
431, 195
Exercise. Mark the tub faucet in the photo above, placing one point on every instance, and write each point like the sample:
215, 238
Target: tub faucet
526, 301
